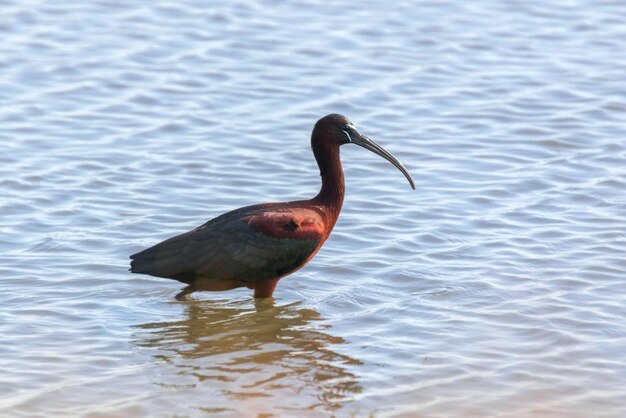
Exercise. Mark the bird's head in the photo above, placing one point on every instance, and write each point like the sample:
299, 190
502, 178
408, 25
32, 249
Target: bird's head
335, 129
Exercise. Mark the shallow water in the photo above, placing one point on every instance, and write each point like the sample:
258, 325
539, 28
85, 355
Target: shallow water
497, 289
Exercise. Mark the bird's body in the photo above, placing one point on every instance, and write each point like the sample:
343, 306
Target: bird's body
252, 246
255, 246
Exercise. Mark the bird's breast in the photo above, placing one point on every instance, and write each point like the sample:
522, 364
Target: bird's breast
298, 225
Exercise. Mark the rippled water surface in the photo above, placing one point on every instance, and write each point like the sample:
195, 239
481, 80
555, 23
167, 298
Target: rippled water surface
497, 289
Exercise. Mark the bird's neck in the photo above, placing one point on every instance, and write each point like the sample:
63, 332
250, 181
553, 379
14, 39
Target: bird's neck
333, 187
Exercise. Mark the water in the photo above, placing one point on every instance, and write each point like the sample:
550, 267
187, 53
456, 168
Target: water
496, 289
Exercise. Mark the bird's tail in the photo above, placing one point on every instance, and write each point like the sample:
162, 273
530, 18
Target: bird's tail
162, 260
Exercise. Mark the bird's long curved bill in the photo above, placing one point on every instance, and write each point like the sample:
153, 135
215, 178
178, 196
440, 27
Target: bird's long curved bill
369, 144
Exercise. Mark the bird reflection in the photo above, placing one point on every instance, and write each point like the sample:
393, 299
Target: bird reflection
248, 352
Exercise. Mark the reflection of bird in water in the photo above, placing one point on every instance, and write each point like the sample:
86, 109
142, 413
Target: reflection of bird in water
259, 356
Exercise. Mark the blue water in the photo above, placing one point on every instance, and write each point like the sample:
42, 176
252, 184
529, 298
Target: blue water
494, 290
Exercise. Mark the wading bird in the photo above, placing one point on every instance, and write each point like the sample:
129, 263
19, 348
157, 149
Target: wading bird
257, 245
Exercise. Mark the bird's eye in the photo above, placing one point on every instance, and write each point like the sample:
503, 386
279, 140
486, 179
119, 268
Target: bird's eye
347, 132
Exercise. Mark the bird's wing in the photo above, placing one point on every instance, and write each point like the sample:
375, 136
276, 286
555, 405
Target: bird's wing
251, 246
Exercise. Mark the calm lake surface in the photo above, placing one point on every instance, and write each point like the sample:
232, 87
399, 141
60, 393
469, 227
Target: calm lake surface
497, 289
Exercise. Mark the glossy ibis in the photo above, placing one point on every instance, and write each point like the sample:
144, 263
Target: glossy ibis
256, 246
